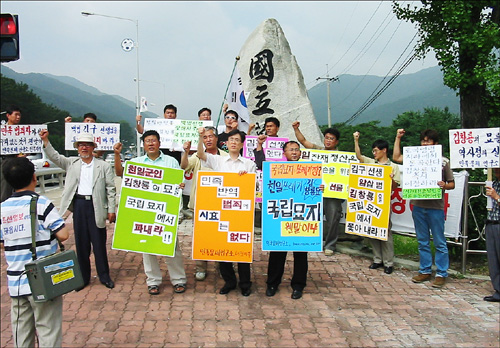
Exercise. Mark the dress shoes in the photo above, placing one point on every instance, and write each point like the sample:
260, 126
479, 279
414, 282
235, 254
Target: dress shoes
388, 270
491, 299
109, 284
271, 291
376, 265
226, 289
246, 292
296, 294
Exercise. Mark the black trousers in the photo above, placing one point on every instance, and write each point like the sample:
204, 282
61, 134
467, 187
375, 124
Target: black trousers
492, 232
87, 237
227, 273
276, 268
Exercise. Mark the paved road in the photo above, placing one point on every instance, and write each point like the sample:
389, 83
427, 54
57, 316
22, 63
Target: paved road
344, 305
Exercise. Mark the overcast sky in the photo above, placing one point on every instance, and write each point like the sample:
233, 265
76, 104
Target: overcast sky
189, 48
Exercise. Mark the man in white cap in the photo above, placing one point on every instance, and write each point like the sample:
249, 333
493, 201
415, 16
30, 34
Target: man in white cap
89, 192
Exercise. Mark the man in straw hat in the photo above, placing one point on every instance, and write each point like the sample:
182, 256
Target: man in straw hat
89, 192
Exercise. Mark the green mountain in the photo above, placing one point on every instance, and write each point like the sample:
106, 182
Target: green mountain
411, 92
77, 98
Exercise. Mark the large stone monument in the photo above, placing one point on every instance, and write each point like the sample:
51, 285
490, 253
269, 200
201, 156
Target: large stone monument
273, 83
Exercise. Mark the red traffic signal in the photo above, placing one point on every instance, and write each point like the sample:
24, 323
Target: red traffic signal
9, 38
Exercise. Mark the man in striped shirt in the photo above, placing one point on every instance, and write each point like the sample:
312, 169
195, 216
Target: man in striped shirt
28, 316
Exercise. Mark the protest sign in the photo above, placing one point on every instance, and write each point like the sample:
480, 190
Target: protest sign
422, 166
474, 148
105, 134
272, 148
292, 212
148, 211
174, 133
336, 166
273, 151
368, 202
224, 217
16, 139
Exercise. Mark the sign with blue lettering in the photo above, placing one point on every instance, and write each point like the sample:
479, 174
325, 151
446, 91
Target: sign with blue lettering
292, 211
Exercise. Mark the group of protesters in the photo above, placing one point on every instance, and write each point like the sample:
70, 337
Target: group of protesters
90, 193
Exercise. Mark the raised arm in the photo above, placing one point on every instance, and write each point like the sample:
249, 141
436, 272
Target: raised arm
300, 137
185, 155
397, 156
357, 148
138, 125
201, 151
117, 149
51, 153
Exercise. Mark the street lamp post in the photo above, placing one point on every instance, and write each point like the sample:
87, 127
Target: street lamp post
136, 45
328, 80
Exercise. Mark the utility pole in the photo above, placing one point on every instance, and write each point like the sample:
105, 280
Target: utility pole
328, 80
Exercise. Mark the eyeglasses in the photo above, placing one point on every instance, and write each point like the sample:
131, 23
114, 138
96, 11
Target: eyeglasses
230, 117
293, 150
150, 141
330, 138
85, 145
234, 140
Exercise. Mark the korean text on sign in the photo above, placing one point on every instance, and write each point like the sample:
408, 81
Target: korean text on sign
223, 218
24, 138
368, 202
148, 210
474, 148
105, 134
292, 211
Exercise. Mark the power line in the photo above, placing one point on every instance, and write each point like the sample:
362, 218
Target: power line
359, 83
382, 90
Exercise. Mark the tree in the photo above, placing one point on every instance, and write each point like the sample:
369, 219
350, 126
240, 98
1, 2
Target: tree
465, 35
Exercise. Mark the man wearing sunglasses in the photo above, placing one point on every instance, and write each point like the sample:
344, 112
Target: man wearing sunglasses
231, 122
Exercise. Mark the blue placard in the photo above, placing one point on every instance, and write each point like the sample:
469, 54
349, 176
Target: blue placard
292, 206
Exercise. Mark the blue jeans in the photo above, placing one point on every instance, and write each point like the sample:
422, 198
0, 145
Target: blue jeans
427, 221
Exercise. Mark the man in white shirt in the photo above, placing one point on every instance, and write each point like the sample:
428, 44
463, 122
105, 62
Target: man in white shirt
237, 164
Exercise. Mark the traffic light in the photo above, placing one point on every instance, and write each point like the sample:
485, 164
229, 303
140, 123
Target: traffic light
9, 46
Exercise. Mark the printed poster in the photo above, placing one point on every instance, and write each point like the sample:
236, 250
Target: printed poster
174, 132
148, 212
224, 217
19, 138
474, 148
336, 166
105, 134
292, 211
369, 199
422, 166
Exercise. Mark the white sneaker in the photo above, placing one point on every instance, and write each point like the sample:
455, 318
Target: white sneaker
328, 252
200, 276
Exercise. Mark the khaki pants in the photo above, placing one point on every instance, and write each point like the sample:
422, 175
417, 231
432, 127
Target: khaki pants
28, 316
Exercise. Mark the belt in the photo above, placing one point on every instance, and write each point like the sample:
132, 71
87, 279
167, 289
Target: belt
86, 197
492, 222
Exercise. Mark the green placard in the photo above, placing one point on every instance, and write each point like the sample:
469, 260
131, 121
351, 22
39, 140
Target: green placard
148, 211
424, 193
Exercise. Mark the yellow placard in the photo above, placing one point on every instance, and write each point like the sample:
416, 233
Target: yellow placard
224, 217
369, 201
335, 167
